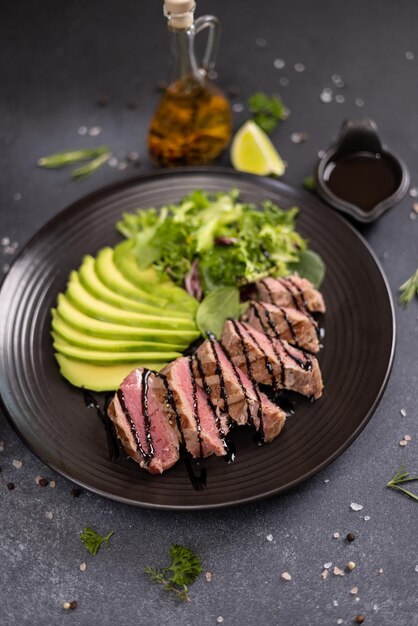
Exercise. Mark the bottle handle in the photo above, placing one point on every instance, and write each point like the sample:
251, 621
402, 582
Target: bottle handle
211, 51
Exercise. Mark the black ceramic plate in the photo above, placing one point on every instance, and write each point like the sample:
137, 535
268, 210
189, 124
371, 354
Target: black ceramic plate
52, 419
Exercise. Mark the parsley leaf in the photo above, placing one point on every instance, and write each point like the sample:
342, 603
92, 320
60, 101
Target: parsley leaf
183, 570
266, 110
92, 541
409, 289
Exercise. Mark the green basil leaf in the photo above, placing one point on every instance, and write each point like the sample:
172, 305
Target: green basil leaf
216, 308
310, 266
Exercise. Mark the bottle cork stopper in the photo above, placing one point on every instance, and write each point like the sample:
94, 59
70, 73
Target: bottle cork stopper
179, 12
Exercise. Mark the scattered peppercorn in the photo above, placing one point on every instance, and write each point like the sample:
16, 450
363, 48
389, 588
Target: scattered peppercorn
10, 486
43, 482
350, 537
70, 605
75, 492
351, 565
359, 619
233, 91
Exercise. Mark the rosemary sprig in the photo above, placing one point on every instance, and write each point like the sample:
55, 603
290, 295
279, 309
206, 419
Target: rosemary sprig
183, 570
409, 289
90, 168
401, 477
61, 159
92, 541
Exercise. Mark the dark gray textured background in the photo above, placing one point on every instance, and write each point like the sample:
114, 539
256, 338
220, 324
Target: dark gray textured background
56, 59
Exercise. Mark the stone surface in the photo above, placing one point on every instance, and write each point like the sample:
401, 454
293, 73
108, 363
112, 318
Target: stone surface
58, 59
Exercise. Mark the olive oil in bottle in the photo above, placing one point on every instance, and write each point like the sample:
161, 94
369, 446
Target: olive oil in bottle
192, 124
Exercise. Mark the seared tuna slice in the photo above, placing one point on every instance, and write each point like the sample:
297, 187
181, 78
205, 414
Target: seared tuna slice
232, 391
272, 362
290, 324
147, 432
204, 427
291, 291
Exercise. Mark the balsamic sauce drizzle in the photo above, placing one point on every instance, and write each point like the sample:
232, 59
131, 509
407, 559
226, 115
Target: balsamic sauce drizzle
212, 407
267, 360
250, 376
277, 336
303, 305
92, 403
147, 456
195, 405
250, 419
198, 481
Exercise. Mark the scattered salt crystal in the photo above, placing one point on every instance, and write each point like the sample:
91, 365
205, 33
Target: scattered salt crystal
82, 130
49, 515
366, 518
415, 207
5, 241
269, 537
299, 67
208, 576
339, 621
326, 95
37, 479
122, 165
375, 607
279, 64
403, 442
284, 81
338, 81
260, 42
403, 412
335, 602
83, 567
337, 571
238, 107
407, 437
357, 599
17, 196
321, 154
336, 535
113, 162
133, 157
286, 576
356, 507
359, 102
412, 215
324, 574
328, 565
381, 570
17, 464
339, 98
299, 137
94, 131
413, 192
326, 480
354, 591
52, 483
220, 619
409, 56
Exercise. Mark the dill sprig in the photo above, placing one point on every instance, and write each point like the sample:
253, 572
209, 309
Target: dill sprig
183, 570
409, 289
401, 477
92, 540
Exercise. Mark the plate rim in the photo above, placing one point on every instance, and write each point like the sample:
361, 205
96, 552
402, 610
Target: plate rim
269, 183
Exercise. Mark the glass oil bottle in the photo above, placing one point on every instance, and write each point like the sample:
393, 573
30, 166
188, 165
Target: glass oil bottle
192, 124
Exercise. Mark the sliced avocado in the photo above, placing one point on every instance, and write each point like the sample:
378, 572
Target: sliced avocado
98, 328
94, 285
62, 331
112, 358
98, 377
109, 274
98, 309
149, 279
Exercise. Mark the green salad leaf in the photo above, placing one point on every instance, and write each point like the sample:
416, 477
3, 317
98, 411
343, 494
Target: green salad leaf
310, 266
218, 306
234, 242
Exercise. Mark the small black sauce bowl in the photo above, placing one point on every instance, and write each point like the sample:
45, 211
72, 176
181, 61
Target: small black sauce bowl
360, 136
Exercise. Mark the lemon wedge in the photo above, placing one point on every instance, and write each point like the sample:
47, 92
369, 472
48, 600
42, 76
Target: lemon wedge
253, 152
